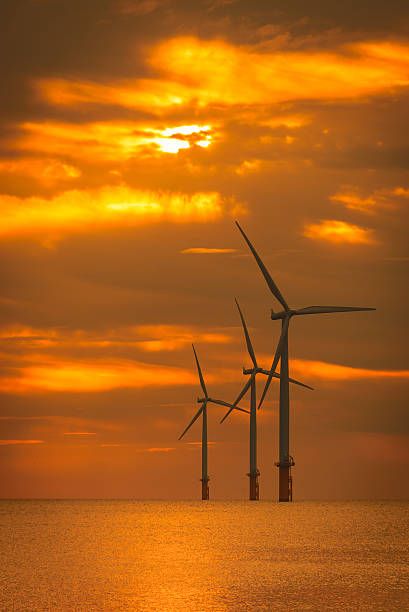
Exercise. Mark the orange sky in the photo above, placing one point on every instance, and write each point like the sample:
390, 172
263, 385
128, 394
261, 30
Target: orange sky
134, 133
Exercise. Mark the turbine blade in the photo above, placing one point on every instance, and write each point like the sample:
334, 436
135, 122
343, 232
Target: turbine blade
222, 403
197, 415
242, 409
271, 284
243, 391
323, 309
276, 359
241, 394
291, 380
297, 382
246, 333
200, 373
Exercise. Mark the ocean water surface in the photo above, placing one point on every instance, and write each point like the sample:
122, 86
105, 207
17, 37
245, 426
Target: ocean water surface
200, 556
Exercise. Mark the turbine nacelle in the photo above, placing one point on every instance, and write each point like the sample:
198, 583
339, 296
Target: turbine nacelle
275, 375
281, 315
248, 371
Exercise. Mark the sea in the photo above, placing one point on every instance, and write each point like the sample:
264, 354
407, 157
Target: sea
171, 556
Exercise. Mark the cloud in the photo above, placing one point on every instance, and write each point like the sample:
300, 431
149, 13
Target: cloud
205, 251
233, 75
62, 420
400, 191
338, 232
154, 449
79, 433
214, 72
105, 141
136, 8
332, 371
199, 443
93, 209
354, 201
351, 198
46, 170
146, 337
214, 5
248, 166
10, 442
56, 375
104, 445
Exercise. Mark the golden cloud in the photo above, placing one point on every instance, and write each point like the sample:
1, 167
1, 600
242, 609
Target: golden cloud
354, 201
108, 141
45, 170
234, 75
338, 231
10, 442
147, 337
333, 371
379, 198
207, 251
108, 444
79, 433
400, 191
215, 72
78, 210
57, 375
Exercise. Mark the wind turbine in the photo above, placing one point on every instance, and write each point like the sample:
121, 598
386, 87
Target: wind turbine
203, 411
286, 461
251, 384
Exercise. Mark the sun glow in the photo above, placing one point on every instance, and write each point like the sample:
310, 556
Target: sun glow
107, 141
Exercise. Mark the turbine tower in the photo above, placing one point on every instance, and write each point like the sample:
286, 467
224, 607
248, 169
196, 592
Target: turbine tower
286, 461
203, 411
251, 384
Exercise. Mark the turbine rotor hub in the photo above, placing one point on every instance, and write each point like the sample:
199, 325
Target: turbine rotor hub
281, 315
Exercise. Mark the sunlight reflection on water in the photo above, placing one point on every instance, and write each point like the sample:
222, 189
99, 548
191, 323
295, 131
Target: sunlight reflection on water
199, 556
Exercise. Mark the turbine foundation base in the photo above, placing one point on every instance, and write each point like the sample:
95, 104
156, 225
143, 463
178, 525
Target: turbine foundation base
254, 486
205, 489
285, 481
